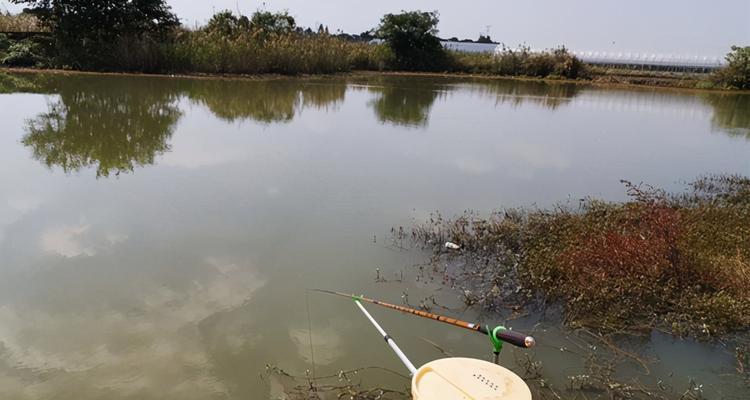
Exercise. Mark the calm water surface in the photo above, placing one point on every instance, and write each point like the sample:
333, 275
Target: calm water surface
157, 235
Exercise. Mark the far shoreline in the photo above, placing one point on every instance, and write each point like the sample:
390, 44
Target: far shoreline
626, 81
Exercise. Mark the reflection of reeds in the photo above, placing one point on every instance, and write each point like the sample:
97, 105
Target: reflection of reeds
264, 101
548, 95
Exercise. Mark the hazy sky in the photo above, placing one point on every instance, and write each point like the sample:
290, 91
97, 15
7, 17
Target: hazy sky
667, 26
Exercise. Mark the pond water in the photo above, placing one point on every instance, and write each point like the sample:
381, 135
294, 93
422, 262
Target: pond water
158, 236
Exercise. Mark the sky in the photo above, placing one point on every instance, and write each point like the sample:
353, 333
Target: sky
689, 27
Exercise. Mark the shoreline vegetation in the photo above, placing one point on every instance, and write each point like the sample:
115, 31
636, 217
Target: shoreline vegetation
152, 41
612, 77
671, 263
675, 262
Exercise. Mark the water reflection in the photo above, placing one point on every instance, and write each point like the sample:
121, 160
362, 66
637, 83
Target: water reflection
112, 125
547, 95
406, 101
17, 83
263, 101
403, 101
184, 282
731, 113
116, 124
148, 346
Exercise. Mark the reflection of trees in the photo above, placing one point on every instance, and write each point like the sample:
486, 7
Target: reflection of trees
731, 113
16, 83
119, 123
264, 101
407, 100
403, 101
548, 95
113, 124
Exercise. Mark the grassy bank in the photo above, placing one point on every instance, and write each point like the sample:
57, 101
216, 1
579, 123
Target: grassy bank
272, 43
196, 53
675, 262
211, 51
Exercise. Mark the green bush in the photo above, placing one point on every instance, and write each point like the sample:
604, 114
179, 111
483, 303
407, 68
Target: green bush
86, 31
411, 36
736, 75
4, 44
521, 61
30, 52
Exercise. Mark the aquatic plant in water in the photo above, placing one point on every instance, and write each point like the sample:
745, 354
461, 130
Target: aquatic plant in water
678, 262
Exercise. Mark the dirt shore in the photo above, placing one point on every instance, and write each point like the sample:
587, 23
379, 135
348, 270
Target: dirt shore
610, 79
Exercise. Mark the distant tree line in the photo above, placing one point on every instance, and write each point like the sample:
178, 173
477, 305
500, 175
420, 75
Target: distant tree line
145, 35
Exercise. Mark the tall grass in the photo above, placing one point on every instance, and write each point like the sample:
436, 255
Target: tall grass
231, 45
521, 62
19, 23
246, 53
208, 52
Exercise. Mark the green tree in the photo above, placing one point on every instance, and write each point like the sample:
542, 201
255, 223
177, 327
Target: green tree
412, 37
227, 24
736, 74
86, 30
280, 23
484, 39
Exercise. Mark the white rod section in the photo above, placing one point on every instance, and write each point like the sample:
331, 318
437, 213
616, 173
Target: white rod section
412, 369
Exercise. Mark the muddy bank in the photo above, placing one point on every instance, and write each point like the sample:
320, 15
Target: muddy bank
608, 79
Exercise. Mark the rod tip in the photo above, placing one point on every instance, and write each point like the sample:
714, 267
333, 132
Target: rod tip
529, 342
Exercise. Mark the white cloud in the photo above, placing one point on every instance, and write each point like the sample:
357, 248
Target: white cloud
67, 241
326, 343
156, 351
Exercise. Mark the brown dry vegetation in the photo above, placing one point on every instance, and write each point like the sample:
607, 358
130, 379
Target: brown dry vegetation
19, 23
674, 262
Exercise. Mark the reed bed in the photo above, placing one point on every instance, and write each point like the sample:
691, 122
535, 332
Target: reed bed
247, 53
521, 62
19, 23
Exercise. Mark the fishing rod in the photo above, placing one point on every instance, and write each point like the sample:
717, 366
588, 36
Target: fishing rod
498, 335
